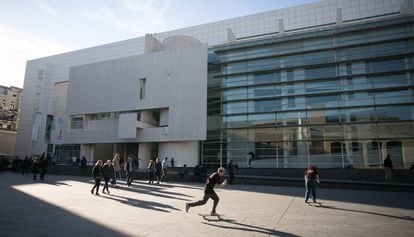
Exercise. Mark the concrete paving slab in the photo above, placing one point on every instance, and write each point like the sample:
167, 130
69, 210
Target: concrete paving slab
64, 206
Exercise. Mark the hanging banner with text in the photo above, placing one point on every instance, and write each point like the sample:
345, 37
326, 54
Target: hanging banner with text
59, 130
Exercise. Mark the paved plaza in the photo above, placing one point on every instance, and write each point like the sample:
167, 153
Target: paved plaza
64, 206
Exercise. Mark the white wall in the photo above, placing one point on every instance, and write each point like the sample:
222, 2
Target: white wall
113, 86
183, 152
144, 154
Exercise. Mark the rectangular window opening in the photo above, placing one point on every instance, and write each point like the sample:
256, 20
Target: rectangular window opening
142, 85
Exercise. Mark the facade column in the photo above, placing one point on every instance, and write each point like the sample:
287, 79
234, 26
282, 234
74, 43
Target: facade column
365, 154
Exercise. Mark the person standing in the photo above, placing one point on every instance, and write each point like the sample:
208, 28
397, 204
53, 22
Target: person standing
213, 180
183, 173
311, 178
35, 167
43, 164
172, 162
97, 175
230, 168
26, 166
164, 169
158, 169
107, 172
129, 169
83, 162
151, 171
388, 168
117, 169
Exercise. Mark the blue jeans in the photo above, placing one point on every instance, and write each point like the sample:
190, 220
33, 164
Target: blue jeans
310, 187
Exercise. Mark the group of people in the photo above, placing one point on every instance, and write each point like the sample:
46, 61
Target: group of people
111, 169
158, 169
36, 164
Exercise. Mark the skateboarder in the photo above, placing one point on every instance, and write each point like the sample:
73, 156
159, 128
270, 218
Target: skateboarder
215, 178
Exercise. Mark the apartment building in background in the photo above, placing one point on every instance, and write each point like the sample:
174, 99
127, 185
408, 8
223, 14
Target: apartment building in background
10, 98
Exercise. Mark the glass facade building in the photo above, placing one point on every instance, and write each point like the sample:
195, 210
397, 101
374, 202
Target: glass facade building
331, 97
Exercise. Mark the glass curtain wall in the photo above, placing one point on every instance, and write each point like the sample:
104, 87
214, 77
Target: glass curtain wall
332, 98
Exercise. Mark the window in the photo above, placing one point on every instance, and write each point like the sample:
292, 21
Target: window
320, 72
76, 123
139, 116
142, 85
40, 74
3, 90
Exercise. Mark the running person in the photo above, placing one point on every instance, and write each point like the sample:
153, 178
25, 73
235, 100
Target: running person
214, 179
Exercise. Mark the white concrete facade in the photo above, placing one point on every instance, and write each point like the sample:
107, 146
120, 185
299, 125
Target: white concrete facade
47, 78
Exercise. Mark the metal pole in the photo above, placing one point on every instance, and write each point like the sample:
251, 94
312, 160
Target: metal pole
308, 154
342, 155
379, 154
277, 157
221, 148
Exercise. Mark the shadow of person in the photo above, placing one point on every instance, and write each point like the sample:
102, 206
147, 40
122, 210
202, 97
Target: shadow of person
140, 203
157, 193
57, 183
409, 218
249, 228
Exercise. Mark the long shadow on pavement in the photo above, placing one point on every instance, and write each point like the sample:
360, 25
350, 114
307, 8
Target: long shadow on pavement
248, 228
140, 203
154, 193
24, 215
408, 218
377, 198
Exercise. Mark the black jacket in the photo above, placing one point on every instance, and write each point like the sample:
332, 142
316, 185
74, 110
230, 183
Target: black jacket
97, 171
107, 171
388, 163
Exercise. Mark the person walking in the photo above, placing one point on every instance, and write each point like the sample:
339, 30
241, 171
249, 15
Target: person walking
164, 165
129, 169
213, 180
107, 172
97, 175
388, 168
158, 169
151, 171
117, 169
311, 178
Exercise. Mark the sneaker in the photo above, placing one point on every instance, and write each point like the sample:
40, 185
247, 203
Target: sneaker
97, 194
109, 192
187, 207
103, 192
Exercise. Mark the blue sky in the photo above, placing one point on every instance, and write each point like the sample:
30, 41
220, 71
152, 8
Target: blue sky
32, 29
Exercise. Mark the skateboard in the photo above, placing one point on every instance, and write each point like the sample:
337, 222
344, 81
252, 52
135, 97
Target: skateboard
317, 204
209, 217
